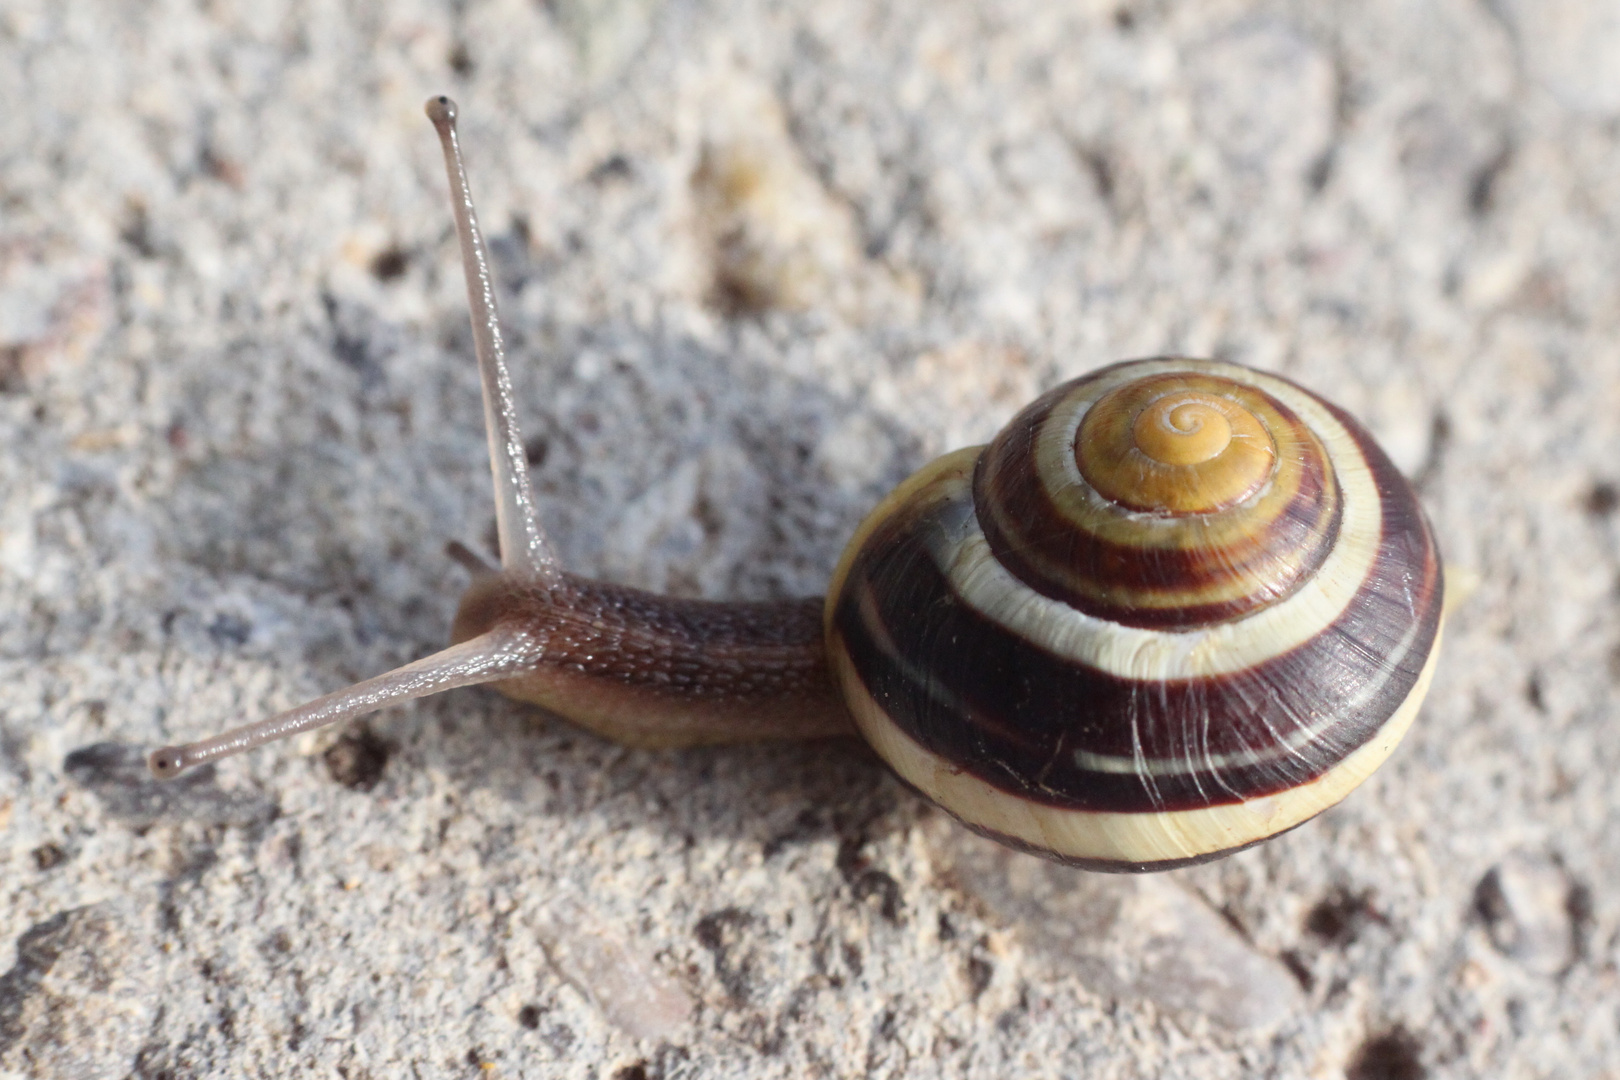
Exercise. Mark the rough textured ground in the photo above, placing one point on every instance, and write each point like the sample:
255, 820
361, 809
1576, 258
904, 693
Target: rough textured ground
759, 261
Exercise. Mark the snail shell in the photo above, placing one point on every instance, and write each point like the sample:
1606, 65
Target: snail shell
1174, 608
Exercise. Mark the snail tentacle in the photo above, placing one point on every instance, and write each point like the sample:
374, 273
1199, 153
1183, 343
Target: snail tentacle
525, 549
641, 668
496, 654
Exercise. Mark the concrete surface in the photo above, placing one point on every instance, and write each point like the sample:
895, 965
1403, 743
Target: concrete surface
758, 262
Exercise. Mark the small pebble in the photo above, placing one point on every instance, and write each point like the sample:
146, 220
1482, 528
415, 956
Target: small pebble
1525, 901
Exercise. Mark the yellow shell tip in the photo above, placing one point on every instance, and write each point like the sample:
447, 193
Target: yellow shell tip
1182, 429
1175, 444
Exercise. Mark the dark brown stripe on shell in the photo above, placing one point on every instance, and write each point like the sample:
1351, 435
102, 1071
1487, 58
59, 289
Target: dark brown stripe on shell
1014, 715
1143, 586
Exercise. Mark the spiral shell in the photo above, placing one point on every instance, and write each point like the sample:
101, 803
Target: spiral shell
1174, 608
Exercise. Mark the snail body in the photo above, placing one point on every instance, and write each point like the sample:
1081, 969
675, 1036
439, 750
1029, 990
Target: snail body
1174, 608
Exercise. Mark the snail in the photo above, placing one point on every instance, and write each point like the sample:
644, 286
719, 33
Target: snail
1174, 608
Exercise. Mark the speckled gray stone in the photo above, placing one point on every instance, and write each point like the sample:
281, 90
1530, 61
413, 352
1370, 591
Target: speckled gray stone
758, 262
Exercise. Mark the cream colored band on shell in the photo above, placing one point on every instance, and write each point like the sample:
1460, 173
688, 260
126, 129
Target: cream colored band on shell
1145, 837
1137, 653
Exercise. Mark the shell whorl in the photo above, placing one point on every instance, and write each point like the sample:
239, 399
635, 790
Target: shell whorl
1079, 510
1175, 607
